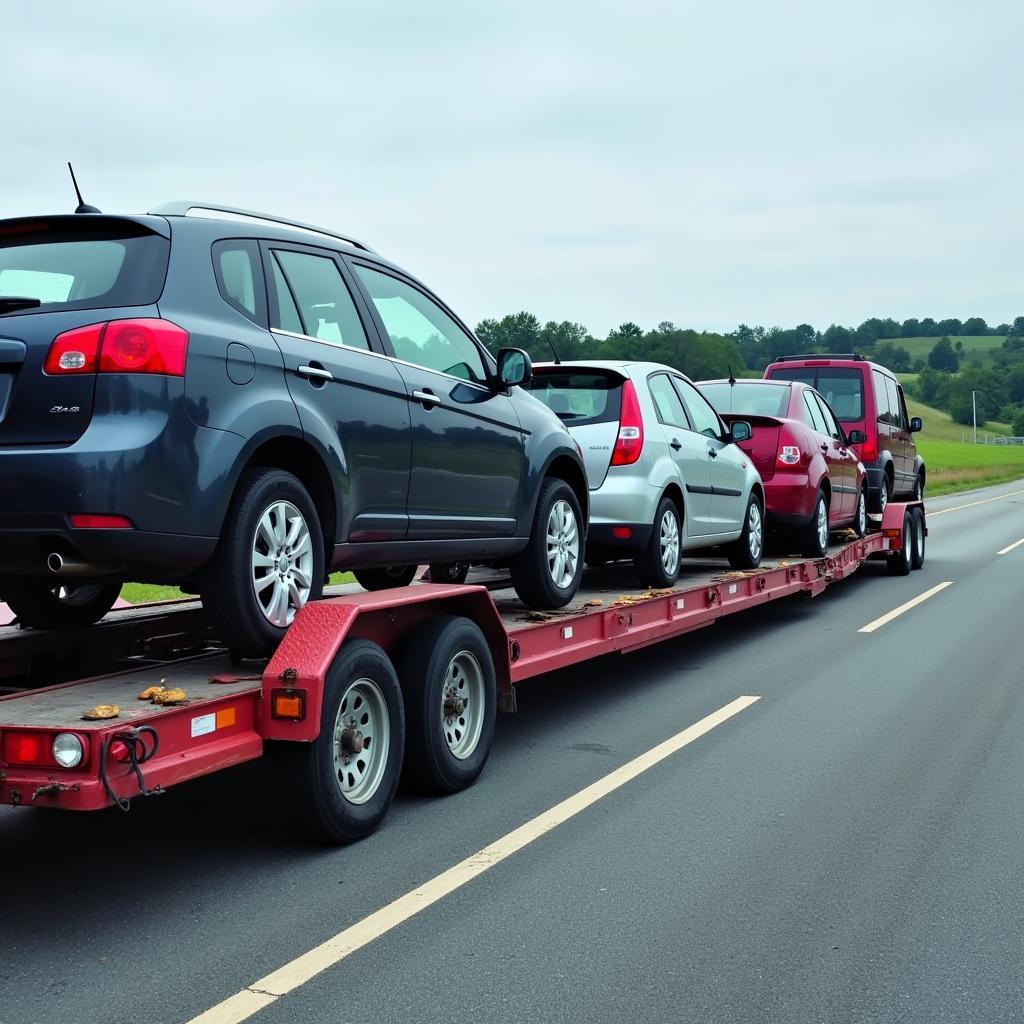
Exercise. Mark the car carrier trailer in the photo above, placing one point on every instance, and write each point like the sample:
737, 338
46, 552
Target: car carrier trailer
362, 688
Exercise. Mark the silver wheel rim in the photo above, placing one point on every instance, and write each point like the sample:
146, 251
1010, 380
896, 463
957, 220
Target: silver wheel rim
281, 563
563, 544
462, 705
822, 524
755, 531
918, 489
883, 498
669, 540
361, 741
862, 514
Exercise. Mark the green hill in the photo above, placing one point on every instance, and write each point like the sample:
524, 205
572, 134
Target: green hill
983, 347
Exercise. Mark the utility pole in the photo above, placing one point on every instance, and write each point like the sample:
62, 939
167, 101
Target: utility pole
974, 410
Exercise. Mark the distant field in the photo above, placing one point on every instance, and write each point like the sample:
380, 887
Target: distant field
953, 466
985, 346
939, 426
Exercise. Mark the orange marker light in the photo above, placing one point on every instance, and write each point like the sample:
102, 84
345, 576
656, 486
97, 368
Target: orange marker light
289, 704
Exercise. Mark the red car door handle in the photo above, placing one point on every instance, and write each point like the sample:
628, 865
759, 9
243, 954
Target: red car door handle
824, 447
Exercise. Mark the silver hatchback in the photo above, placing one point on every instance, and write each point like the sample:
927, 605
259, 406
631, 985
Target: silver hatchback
665, 474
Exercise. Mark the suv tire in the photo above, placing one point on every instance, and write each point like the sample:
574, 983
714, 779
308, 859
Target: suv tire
533, 570
385, 579
46, 604
658, 564
882, 496
265, 513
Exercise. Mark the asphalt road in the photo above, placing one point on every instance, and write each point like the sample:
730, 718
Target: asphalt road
848, 848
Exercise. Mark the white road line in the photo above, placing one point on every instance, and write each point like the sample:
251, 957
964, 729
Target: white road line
267, 990
971, 504
1010, 547
896, 612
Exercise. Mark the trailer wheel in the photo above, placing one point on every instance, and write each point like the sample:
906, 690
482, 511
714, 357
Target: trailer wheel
343, 782
450, 687
917, 549
385, 579
901, 562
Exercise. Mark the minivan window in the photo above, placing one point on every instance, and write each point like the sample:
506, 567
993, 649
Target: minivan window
421, 332
896, 411
841, 387
752, 398
579, 397
883, 411
321, 298
115, 265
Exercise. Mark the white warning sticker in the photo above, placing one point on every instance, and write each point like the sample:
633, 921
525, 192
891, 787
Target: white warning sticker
203, 725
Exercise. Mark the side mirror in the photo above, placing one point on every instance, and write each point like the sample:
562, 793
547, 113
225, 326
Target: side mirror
916, 424
856, 437
514, 367
740, 430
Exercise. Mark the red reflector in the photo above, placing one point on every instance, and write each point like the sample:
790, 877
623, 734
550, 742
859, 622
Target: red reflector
144, 346
74, 351
83, 521
118, 751
26, 748
630, 441
622, 532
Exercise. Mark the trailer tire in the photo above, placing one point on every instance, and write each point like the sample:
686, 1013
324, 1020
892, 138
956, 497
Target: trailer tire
385, 579
917, 548
745, 552
447, 661
48, 604
340, 796
901, 562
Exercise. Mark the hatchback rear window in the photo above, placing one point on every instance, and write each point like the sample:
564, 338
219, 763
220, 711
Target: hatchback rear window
842, 388
752, 399
111, 264
578, 397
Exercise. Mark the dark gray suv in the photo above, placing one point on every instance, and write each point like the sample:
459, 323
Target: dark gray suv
242, 404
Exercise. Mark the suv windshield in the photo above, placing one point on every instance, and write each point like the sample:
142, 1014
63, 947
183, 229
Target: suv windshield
578, 397
842, 388
753, 398
119, 264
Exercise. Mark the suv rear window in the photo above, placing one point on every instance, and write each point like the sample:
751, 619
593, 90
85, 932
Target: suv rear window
578, 397
841, 387
112, 264
753, 399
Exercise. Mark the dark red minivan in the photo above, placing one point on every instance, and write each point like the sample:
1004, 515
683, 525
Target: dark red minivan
814, 482
866, 396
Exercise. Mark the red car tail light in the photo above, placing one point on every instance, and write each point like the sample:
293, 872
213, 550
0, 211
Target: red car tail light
630, 442
145, 345
74, 351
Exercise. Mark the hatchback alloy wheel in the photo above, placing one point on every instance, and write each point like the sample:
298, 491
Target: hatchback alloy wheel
563, 544
669, 542
281, 562
755, 531
821, 523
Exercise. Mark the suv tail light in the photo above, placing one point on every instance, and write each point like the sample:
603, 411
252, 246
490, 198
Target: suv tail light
630, 442
120, 346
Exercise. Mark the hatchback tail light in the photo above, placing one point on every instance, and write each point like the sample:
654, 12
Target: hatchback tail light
868, 450
145, 345
789, 455
630, 442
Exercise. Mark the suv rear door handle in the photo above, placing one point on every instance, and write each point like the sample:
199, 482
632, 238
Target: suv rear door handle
426, 398
674, 444
315, 371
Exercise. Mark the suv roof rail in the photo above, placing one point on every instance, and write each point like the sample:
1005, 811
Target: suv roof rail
181, 208
821, 355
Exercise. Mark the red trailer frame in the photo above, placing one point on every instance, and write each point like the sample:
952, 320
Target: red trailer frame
228, 716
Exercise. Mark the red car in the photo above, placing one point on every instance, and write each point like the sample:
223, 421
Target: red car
813, 481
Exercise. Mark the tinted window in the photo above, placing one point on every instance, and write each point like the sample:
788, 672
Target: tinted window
320, 298
882, 411
286, 316
842, 388
896, 411
115, 265
831, 427
666, 401
814, 411
755, 398
421, 332
578, 397
705, 419
236, 267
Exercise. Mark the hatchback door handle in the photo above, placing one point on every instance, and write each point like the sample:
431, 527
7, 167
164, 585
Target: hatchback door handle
674, 443
426, 398
315, 371
712, 454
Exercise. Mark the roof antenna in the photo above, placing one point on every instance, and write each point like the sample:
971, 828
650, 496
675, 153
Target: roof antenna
83, 206
732, 378
551, 345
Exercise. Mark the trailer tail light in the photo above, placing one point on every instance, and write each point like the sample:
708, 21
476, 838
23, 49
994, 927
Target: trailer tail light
26, 748
85, 521
288, 704
630, 442
146, 345
789, 455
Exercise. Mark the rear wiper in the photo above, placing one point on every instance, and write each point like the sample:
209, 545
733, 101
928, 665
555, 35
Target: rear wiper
12, 303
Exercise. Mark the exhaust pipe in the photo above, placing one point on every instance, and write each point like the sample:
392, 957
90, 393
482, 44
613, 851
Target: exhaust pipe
62, 565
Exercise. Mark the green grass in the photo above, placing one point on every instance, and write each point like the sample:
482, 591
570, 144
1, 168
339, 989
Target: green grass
985, 347
939, 426
144, 593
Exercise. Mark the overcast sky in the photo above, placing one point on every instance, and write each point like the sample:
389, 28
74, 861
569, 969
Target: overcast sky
707, 163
